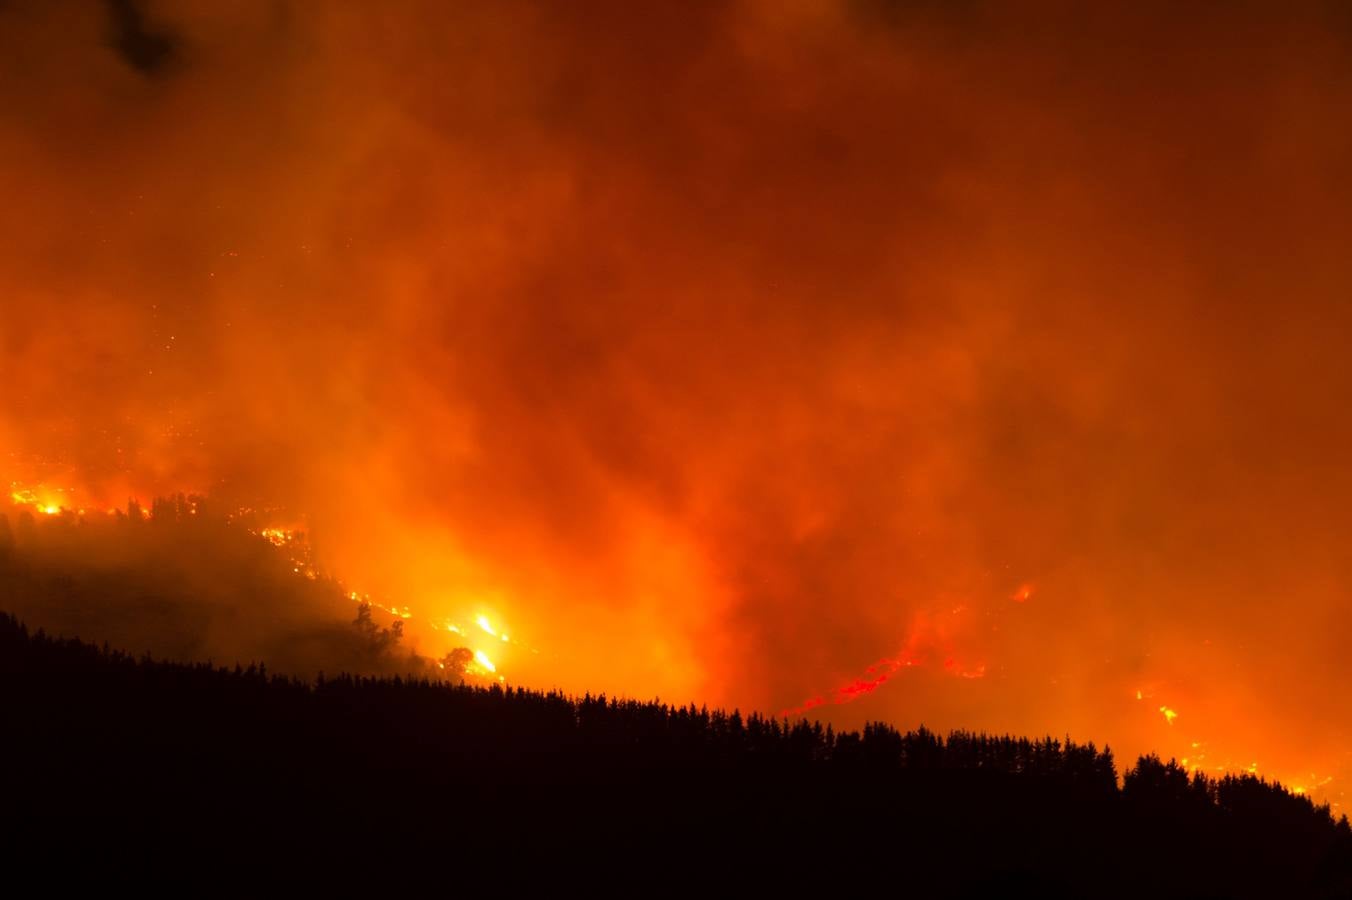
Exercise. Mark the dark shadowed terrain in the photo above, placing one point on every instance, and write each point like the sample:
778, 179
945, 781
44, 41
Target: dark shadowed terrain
150, 766
188, 581
152, 759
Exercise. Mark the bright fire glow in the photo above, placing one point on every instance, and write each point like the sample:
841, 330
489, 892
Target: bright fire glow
47, 502
278, 537
753, 458
933, 643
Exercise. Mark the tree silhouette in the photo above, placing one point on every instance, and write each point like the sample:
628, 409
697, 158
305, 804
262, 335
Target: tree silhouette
139, 752
107, 751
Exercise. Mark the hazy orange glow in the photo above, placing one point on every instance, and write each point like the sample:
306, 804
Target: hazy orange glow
45, 501
922, 362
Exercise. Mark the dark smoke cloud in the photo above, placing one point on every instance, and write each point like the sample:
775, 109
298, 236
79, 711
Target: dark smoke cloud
147, 49
724, 349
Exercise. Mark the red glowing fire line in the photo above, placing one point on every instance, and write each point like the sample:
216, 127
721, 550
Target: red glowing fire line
925, 633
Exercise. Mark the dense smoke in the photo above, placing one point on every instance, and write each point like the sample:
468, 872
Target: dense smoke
725, 349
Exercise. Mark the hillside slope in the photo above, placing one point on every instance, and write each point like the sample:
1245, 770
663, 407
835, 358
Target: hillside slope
152, 760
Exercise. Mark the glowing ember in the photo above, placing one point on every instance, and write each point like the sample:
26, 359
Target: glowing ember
278, 537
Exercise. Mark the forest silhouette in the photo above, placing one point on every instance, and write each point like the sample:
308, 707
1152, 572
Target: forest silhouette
146, 760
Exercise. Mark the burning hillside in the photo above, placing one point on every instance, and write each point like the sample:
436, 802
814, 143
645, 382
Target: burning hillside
947, 363
182, 579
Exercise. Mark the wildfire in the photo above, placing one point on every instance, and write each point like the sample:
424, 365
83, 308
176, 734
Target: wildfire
288, 540
47, 502
278, 537
396, 611
481, 663
936, 641
875, 676
1315, 783
928, 636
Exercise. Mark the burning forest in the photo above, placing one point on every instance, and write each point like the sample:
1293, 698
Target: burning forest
976, 366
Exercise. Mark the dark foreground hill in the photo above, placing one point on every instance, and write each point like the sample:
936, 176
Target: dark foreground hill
150, 767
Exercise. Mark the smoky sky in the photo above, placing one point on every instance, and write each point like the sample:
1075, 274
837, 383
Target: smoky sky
726, 349
141, 45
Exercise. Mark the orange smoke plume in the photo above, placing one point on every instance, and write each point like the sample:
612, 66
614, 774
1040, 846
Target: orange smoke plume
716, 350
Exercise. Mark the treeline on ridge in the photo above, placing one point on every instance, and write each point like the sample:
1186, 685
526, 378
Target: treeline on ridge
115, 748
